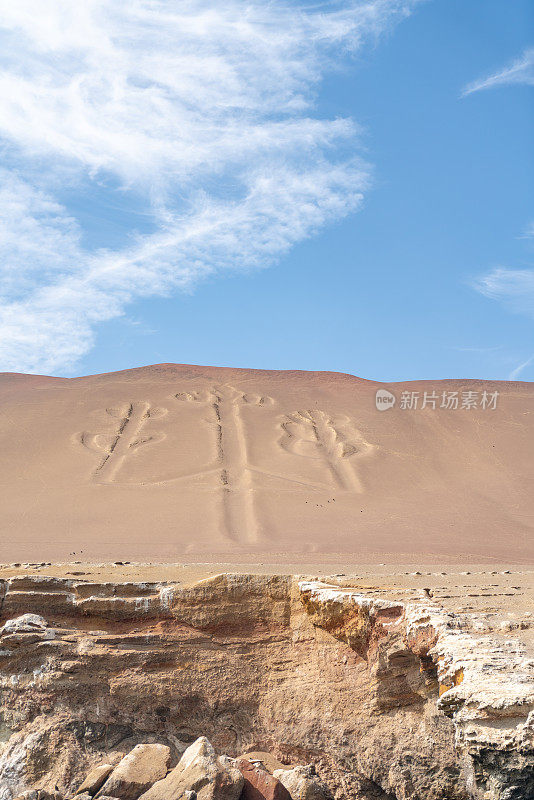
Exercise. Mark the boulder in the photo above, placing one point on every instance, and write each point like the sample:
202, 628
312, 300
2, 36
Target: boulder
95, 779
201, 773
24, 630
260, 784
302, 783
136, 772
26, 623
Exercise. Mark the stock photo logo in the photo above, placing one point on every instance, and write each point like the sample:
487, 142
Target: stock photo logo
450, 400
384, 400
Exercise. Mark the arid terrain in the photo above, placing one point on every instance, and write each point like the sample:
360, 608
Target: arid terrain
364, 686
497, 599
226, 584
168, 462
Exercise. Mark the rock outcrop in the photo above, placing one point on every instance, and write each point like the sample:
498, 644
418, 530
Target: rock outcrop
387, 699
302, 783
137, 772
95, 779
200, 772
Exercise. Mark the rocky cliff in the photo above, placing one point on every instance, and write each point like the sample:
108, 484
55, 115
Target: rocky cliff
386, 698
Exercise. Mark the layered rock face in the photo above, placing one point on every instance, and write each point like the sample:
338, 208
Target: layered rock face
386, 699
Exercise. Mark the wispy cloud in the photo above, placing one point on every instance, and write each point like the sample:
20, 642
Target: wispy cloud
515, 373
513, 287
198, 114
519, 71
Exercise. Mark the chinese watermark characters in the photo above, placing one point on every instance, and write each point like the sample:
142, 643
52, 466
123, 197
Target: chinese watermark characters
449, 400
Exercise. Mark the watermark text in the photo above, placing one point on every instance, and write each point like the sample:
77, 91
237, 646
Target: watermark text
449, 400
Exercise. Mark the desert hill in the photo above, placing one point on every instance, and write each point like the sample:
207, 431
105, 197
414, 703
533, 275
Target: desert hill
173, 462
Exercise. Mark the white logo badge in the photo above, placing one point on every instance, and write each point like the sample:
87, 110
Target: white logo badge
384, 400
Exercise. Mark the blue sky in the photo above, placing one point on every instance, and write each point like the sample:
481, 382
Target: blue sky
342, 187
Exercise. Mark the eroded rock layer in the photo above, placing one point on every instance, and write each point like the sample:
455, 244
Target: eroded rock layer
387, 699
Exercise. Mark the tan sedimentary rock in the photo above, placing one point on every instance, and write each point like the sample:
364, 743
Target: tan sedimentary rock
137, 771
39, 794
303, 784
95, 779
487, 689
384, 697
200, 771
32, 593
486, 686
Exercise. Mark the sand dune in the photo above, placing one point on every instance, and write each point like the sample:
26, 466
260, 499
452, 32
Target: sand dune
174, 462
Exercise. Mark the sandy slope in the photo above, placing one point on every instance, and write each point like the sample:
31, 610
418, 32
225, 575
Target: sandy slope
162, 463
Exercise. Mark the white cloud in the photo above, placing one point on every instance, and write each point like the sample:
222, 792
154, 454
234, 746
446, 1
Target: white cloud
52, 326
519, 71
513, 287
199, 114
515, 373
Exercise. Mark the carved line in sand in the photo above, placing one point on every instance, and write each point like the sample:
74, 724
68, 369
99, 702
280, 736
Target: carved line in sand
240, 520
332, 439
128, 437
311, 434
